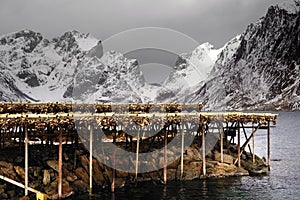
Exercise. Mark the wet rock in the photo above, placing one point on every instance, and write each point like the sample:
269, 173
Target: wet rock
211, 164
119, 182
24, 198
241, 172
192, 154
174, 165
173, 174
7, 170
2, 188
85, 162
226, 157
81, 186
46, 177
51, 189
3, 196
70, 176
221, 169
257, 168
53, 164
191, 170
66, 157
97, 173
11, 193
6, 165
20, 171
82, 174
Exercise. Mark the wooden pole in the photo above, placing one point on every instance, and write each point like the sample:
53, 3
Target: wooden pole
182, 150
221, 141
21, 185
60, 165
239, 144
26, 160
203, 152
253, 153
137, 153
91, 160
165, 156
247, 142
269, 149
245, 134
113, 171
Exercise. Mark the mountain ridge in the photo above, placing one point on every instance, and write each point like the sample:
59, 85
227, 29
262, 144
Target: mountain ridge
258, 69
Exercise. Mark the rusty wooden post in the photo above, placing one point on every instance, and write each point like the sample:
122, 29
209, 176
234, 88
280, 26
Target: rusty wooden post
137, 153
203, 151
91, 160
221, 141
182, 150
60, 164
113, 170
253, 153
269, 149
165, 155
26, 160
239, 144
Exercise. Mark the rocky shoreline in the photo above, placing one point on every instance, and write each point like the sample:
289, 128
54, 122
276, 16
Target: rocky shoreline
43, 169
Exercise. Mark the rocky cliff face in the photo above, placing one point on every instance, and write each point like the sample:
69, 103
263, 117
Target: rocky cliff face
262, 70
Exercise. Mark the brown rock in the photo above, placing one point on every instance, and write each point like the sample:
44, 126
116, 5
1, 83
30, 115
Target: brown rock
11, 194
24, 198
174, 165
82, 174
8, 172
53, 164
119, 182
173, 174
97, 173
81, 186
85, 162
222, 169
226, 158
66, 157
20, 171
6, 165
70, 176
51, 190
192, 153
46, 177
122, 174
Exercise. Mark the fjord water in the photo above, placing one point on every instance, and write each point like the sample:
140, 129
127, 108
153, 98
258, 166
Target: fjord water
283, 182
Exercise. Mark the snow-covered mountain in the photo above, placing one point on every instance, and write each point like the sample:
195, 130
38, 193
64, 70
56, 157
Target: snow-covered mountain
36, 69
73, 67
258, 69
70, 67
190, 70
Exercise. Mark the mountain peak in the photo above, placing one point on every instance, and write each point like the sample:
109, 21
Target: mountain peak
292, 7
206, 45
26, 33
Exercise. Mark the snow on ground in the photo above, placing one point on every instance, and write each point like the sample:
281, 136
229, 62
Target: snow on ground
86, 43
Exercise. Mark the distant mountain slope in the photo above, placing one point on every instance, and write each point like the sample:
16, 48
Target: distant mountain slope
263, 71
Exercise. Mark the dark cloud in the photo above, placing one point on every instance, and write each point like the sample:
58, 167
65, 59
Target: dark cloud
215, 21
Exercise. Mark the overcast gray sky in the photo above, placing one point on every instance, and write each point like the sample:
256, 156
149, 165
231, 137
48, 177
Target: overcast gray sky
215, 21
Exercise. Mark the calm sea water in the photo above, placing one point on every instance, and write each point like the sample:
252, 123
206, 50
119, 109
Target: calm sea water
283, 182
